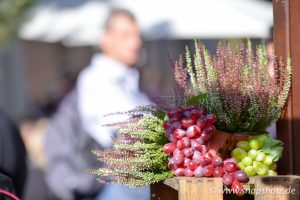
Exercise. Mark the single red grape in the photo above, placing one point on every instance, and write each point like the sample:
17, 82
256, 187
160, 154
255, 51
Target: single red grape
169, 132
204, 149
208, 155
201, 123
193, 131
200, 140
179, 172
169, 147
179, 133
190, 107
186, 141
210, 119
188, 152
230, 160
208, 132
237, 187
181, 144
208, 170
187, 122
217, 161
171, 164
205, 136
186, 162
192, 164
241, 176
176, 151
187, 114
197, 155
167, 124
195, 114
198, 172
203, 161
230, 167
218, 172
171, 138
227, 179
188, 172
212, 129
178, 158
196, 145
176, 124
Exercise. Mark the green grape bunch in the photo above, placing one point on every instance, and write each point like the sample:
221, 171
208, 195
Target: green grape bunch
258, 155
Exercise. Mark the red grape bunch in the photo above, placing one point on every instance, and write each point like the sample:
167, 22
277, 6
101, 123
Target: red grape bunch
189, 131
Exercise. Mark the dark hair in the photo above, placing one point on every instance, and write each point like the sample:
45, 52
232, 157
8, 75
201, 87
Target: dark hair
118, 12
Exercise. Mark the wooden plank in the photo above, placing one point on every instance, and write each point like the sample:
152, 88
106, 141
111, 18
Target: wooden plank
281, 45
277, 188
294, 8
287, 42
161, 191
197, 188
172, 182
200, 188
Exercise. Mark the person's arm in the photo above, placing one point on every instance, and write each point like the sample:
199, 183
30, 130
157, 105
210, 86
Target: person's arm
68, 152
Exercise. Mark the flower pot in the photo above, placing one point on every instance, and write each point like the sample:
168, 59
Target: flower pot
222, 143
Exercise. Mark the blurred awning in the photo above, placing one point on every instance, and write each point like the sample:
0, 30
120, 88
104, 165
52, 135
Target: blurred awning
73, 24
78, 22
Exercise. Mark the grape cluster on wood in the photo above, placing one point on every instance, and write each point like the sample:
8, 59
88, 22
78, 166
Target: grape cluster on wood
189, 130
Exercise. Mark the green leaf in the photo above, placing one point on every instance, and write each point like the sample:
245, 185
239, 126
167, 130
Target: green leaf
277, 143
276, 153
166, 118
196, 100
273, 147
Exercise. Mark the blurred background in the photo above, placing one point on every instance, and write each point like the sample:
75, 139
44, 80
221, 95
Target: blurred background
46, 43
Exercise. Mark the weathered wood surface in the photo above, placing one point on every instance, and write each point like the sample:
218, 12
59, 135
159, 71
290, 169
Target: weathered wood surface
266, 188
287, 42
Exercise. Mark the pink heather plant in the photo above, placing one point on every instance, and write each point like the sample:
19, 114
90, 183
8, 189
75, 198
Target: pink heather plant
239, 89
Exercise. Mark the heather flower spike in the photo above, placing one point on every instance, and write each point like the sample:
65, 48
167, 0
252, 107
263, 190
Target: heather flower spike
136, 158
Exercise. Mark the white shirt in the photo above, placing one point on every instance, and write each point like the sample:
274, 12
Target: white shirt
107, 86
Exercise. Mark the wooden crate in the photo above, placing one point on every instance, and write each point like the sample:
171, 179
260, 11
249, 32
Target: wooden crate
267, 188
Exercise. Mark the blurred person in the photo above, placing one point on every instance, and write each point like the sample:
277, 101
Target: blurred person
110, 84
12, 156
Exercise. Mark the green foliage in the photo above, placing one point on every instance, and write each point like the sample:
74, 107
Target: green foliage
196, 100
136, 158
11, 12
